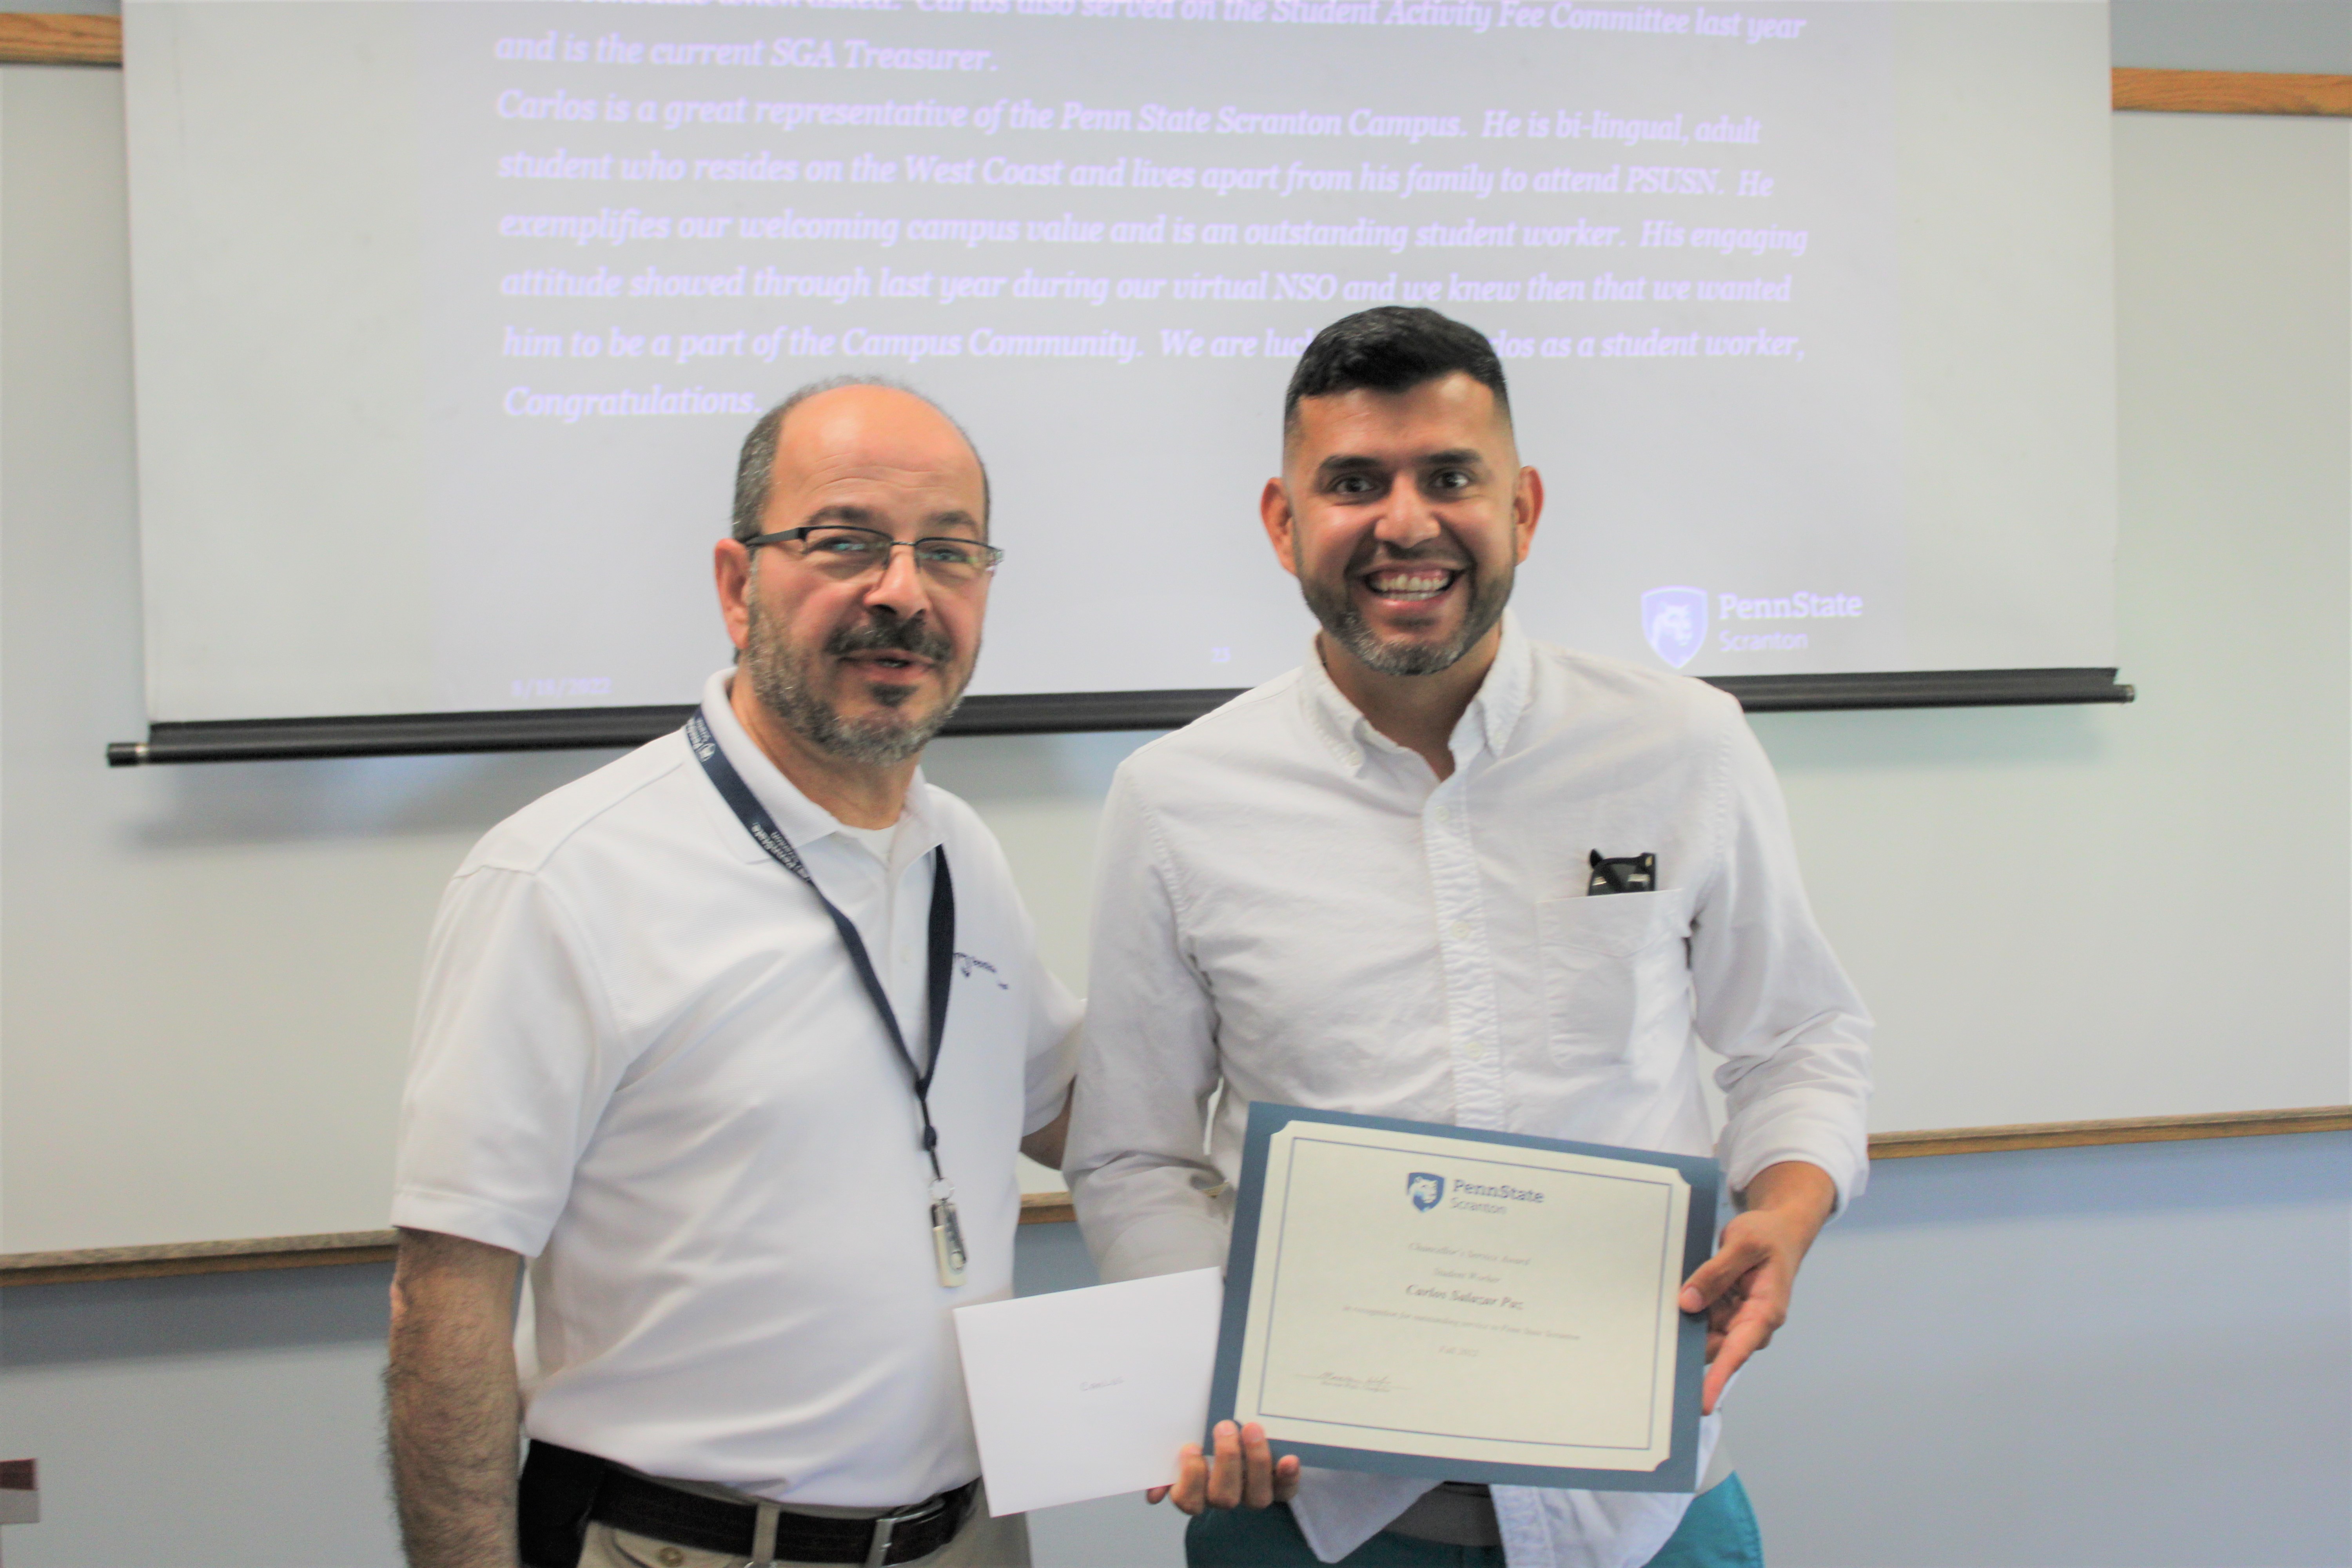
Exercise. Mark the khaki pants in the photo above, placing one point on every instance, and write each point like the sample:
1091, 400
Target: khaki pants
983, 1543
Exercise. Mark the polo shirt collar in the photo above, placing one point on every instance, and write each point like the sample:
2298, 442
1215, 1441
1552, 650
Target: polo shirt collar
1493, 715
800, 819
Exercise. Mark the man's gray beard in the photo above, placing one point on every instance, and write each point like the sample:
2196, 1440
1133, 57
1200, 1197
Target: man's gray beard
780, 679
1345, 624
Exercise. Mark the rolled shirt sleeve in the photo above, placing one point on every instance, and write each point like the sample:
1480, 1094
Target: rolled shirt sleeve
1139, 1176
1771, 999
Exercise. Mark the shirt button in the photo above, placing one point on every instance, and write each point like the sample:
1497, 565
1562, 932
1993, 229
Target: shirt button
1445, 813
670, 1557
1459, 931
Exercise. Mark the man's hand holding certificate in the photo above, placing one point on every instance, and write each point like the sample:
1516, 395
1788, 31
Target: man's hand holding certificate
1744, 1288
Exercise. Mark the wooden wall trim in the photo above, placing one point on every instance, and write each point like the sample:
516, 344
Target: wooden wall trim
44, 38
195, 1257
96, 1263
2126, 1129
2232, 92
288, 1252
1047, 1208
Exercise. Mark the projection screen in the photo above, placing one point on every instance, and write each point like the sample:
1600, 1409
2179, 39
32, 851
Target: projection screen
450, 317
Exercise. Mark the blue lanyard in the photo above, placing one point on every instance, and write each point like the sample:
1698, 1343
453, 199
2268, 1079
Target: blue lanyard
764, 831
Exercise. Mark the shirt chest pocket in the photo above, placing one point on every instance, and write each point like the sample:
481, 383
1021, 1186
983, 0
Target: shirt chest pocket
1616, 976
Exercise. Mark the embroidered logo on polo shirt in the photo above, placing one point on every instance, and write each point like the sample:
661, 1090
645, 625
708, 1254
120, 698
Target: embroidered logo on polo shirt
965, 963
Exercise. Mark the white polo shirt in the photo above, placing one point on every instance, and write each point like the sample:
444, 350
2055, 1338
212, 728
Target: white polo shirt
643, 1061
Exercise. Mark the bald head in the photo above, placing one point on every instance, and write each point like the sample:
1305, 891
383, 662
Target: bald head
847, 427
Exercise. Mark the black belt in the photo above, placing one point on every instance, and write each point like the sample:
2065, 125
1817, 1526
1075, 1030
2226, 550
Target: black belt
563, 1490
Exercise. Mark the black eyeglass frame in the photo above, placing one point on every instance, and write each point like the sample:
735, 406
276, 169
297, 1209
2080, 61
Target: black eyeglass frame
992, 557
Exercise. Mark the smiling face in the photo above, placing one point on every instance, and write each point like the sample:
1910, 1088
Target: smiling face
862, 666
1404, 515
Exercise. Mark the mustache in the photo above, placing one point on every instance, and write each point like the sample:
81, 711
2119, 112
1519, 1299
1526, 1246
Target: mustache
916, 637
1441, 553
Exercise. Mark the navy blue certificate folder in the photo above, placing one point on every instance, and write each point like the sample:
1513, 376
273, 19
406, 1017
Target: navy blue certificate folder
1404, 1296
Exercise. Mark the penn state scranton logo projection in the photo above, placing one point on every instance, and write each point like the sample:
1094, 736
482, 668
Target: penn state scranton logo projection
1675, 620
1425, 1190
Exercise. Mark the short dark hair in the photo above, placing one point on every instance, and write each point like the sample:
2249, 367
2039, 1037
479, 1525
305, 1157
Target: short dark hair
1393, 348
755, 468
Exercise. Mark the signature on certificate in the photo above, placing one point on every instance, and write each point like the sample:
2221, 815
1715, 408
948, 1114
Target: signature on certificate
1343, 1380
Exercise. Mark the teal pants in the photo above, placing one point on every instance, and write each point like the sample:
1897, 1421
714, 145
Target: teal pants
1719, 1532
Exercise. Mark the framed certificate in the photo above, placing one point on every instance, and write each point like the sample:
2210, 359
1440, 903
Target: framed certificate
1432, 1300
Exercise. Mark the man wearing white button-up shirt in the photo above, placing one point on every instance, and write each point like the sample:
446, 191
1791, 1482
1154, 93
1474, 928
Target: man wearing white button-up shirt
1369, 885
647, 1062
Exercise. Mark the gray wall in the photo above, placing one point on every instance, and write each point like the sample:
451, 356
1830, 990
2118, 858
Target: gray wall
2134, 1357
2233, 34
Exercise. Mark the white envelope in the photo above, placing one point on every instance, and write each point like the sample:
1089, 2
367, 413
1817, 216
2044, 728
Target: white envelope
1085, 1393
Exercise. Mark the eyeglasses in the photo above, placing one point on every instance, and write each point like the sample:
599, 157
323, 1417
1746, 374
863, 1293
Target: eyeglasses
845, 550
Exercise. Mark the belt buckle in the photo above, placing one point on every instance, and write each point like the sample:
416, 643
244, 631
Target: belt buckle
886, 1525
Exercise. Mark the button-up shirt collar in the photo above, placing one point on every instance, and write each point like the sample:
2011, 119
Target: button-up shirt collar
1493, 715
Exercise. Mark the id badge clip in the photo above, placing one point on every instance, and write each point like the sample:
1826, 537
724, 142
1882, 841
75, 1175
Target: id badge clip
947, 1235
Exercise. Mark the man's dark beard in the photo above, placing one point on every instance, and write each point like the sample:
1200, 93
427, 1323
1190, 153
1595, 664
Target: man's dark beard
779, 679
1344, 623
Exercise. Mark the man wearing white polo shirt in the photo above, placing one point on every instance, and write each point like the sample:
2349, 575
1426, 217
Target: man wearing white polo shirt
734, 1040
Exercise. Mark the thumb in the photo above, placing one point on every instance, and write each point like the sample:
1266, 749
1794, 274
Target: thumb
1710, 1280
